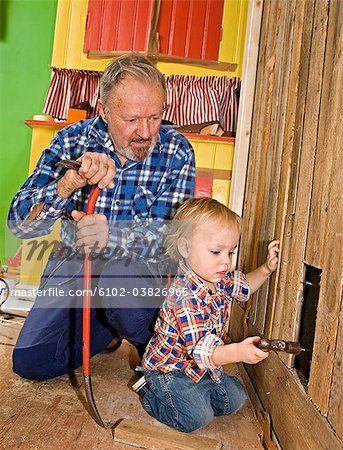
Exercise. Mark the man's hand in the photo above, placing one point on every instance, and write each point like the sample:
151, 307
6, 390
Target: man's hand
92, 231
96, 168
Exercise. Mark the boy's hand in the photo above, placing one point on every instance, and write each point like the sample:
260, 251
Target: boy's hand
247, 351
258, 276
272, 256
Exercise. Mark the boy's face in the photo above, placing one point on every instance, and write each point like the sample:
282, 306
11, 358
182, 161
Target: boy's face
211, 250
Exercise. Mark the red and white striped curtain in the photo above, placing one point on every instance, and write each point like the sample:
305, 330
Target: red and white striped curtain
194, 100
69, 88
191, 100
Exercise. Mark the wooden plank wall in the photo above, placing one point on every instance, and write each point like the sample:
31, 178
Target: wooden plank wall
324, 243
294, 193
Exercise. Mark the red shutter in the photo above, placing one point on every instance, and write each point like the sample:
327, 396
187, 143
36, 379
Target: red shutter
186, 28
190, 28
93, 25
118, 25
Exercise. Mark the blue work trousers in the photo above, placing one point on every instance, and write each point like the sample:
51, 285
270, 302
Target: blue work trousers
126, 295
177, 401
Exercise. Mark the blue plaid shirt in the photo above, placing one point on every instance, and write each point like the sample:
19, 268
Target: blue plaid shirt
146, 193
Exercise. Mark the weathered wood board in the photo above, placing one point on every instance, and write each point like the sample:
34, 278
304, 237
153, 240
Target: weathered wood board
152, 437
297, 423
324, 243
294, 190
52, 414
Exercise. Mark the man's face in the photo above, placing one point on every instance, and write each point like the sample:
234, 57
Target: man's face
133, 114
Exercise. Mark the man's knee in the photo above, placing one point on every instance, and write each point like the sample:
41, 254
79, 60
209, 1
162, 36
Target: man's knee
38, 362
134, 324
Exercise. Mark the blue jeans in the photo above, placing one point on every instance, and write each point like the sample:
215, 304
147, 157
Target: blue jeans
50, 342
177, 401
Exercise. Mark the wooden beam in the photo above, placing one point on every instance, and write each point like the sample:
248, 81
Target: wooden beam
297, 423
240, 162
153, 35
302, 138
151, 437
213, 65
267, 157
218, 174
335, 415
324, 249
277, 148
300, 109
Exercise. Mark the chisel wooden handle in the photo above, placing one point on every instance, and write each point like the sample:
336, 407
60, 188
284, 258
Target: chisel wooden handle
279, 345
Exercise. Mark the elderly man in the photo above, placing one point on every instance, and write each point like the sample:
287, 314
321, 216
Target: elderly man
144, 170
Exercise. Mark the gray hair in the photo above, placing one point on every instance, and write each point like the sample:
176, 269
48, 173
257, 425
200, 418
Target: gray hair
129, 65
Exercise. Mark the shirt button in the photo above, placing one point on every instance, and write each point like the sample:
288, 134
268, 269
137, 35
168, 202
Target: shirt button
51, 197
117, 202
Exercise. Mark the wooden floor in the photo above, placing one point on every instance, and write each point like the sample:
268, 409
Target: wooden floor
52, 414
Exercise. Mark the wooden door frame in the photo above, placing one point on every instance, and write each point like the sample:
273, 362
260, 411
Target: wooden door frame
246, 103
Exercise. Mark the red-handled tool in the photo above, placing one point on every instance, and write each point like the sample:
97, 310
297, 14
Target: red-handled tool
86, 324
87, 285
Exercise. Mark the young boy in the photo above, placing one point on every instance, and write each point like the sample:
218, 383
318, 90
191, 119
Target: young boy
183, 384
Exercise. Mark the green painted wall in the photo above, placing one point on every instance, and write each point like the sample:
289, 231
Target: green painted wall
26, 40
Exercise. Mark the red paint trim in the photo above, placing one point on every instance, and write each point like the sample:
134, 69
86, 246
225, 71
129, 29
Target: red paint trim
208, 137
46, 123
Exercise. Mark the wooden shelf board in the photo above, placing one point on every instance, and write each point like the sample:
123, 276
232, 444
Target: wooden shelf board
201, 137
209, 137
46, 123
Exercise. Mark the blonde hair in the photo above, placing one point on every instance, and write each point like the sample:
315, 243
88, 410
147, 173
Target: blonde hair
192, 212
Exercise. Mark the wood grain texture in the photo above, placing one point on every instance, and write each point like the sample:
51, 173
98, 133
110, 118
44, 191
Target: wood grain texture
287, 320
294, 187
324, 244
261, 210
298, 425
254, 189
152, 437
335, 415
300, 145
52, 414
283, 118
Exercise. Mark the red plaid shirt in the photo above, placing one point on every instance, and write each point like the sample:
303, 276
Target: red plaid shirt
191, 324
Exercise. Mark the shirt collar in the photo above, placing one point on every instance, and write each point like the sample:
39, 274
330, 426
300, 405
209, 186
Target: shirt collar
98, 130
194, 283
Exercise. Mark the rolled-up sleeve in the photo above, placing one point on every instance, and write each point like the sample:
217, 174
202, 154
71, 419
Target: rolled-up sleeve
204, 349
39, 188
